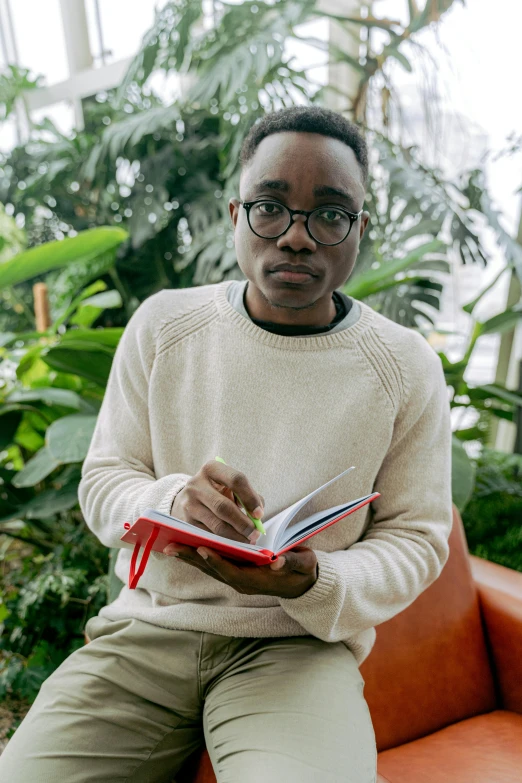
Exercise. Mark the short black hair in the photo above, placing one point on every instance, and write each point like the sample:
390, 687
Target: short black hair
307, 119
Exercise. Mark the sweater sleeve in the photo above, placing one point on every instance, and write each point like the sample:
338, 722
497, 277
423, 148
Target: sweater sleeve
118, 481
406, 544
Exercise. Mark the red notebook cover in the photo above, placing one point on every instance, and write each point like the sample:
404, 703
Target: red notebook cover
155, 535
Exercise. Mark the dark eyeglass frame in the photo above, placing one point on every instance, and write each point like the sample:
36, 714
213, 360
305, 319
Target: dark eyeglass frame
353, 216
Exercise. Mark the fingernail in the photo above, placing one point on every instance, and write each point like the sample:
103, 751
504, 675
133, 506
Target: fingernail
254, 536
169, 550
258, 512
203, 553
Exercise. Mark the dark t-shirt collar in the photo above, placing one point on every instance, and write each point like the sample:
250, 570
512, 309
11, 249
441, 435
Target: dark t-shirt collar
343, 305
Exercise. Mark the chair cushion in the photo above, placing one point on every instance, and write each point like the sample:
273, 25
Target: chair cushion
483, 749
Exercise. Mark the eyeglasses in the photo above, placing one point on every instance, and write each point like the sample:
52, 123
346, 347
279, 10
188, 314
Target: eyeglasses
326, 225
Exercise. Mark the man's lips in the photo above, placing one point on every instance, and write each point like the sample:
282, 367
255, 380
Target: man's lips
293, 268
293, 273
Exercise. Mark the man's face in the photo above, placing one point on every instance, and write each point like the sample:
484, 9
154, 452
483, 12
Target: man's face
301, 171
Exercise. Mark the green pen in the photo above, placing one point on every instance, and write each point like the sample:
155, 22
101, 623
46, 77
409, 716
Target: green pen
257, 522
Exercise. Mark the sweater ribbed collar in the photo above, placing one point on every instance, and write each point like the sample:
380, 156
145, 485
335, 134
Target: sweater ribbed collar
315, 342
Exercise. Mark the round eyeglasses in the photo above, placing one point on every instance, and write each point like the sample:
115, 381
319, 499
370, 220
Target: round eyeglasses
326, 225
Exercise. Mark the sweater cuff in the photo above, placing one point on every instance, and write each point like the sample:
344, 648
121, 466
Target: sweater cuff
164, 506
319, 591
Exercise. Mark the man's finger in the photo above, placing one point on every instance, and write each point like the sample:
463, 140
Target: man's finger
302, 560
235, 480
278, 564
235, 575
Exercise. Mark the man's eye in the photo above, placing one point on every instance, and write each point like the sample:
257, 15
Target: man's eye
330, 215
268, 208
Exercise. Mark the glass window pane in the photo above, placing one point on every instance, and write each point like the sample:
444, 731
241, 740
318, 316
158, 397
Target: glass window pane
8, 137
309, 57
61, 115
39, 38
119, 39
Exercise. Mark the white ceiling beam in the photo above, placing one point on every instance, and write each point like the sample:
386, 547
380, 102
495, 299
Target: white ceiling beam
74, 21
80, 85
79, 56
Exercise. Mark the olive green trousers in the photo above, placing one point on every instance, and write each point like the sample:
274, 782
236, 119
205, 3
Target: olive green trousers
138, 700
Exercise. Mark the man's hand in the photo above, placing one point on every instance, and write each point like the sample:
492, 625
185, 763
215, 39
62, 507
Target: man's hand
207, 501
291, 575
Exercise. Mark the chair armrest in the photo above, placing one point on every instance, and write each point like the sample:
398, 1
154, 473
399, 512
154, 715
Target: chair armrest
494, 575
500, 595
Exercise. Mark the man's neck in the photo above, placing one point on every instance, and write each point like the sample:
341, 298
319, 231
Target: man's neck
282, 315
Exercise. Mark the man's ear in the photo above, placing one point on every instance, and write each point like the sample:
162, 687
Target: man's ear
233, 208
364, 223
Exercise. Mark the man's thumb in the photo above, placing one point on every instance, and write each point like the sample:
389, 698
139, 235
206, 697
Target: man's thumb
300, 559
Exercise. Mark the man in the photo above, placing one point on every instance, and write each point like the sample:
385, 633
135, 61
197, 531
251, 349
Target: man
291, 382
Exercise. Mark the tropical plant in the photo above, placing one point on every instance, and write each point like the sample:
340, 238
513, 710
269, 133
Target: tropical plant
12, 237
134, 170
15, 82
492, 518
484, 403
417, 221
12, 241
51, 387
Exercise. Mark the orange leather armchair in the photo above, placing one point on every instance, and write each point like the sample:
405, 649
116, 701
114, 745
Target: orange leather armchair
444, 680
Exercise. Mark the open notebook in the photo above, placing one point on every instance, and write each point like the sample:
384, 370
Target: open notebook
154, 530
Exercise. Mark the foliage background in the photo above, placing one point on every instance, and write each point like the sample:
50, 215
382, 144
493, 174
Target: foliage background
137, 202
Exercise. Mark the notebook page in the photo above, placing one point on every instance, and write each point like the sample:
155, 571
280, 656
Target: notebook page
314, 522
179, 524
273, 526
289, 513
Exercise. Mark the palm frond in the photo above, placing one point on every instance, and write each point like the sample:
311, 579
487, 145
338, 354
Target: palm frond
118, 137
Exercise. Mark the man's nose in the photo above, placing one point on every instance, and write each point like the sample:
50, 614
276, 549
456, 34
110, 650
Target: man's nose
297, 237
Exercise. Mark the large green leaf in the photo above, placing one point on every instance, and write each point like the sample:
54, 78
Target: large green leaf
89, 360
28, 436
86, 246
38, 467
470, 306
89, 291
110, 336
105, 299
492, 390
462, 475
91, 309
366, 283
9, 422
68, 438
410, 304
47, 394
47, 503
85, 316
502, 322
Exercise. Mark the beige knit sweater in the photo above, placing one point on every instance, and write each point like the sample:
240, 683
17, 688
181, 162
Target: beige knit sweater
193, 378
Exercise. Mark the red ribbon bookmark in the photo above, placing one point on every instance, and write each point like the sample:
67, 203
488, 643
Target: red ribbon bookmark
134, 577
